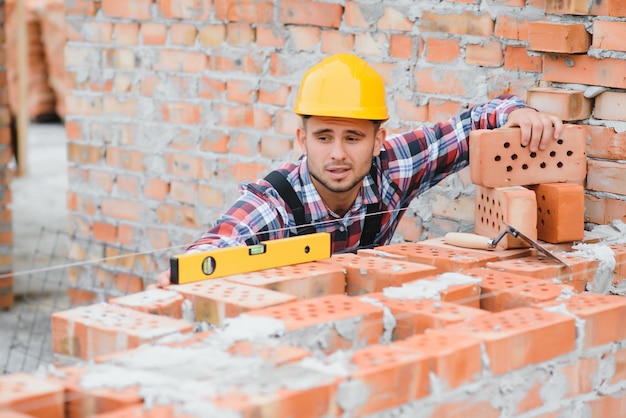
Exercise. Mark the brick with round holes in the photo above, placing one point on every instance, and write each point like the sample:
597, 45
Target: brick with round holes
94, 330
81, 402
500, 253
514, 205
498, 158
328, 323
387, 375
153, 301
519, 337
445, 259
467, 294
603, 316
34, 396
577, 275
372, 274
501, 290
416, 316
453, 360
560, 212
304, 281
215, 300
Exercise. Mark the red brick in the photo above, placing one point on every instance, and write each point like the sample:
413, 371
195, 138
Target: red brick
82, 7
270, 352
84, 154
394, 19
268, 36
579, 272
516, 58
211, 196
104, 232
391, 375
185, 9
438, 81
183, 34
584, 69
305, 12
401, 46
602, 317
122, 209
81, 402
31, 395
304, 38
251, 11
125, 158
501, 290
180, 61
566, 38
370, 44
373, 274
609, 34
454, 361
143, 411
620, 262
606, 176
498, 158
215, 300
515, 205
604, 210
409, 111
442, 50
94, 330
560, 212
511, 27
606, 143
153, 33
610, 105
132, 9
181, 113
612, 405
418, 316
568, 105
240, 91
500, 254
444, 258
485, 54
465, 23
304, 281
239, 34
582, 7
7, 297
519, 337
339, 321
620, 367
212, 35
154, 301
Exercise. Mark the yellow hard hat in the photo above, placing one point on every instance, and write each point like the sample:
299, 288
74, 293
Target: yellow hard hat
342, 85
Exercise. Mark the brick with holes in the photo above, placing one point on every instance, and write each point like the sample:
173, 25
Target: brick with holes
580, 271
501, 290
153, 301
445, 259
515, 205
31, 395
304, 281
619, 274
416, 316
498, 159
560, 212
328, 323
215, 300
387, 375
372, 274
81, 402
519, 337
453, 360
94, 330
603, 316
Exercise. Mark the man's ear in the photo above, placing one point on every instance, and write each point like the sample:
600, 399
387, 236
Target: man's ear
301, 137
379, 138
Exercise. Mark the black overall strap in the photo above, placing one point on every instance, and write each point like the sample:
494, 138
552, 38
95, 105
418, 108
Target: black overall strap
285, 190
373, 217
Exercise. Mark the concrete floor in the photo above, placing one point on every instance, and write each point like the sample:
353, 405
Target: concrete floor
39, 249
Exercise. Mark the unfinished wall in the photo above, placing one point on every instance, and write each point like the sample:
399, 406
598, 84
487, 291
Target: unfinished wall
6, 231
173, 102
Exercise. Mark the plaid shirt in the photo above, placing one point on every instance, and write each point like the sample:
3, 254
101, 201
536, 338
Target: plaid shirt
409, 164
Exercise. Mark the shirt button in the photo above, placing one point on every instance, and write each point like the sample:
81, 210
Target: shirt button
342, 228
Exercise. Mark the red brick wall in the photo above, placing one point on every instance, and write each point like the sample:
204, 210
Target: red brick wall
6, 231
172, 103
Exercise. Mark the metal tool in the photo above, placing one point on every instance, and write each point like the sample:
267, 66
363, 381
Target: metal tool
468, 240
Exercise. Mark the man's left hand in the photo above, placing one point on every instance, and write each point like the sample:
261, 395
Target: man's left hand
538, 128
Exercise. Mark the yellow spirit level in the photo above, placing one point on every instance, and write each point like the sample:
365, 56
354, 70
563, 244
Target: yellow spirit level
193, 267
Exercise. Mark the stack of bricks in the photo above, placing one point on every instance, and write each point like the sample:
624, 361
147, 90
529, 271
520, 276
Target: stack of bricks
6, 154
45, 30
423, 329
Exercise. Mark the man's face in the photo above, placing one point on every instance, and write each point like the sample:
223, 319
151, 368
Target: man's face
339, 152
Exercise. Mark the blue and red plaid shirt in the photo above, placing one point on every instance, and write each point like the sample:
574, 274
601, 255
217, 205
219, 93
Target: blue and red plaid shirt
409, 164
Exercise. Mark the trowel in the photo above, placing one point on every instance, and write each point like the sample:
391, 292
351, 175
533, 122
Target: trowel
479, 242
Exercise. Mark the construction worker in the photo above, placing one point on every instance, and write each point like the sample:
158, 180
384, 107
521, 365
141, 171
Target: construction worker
352, 180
